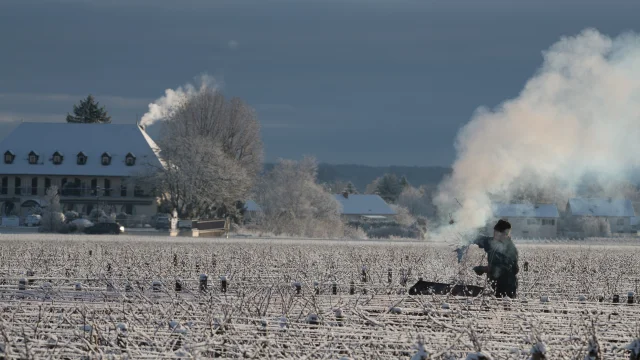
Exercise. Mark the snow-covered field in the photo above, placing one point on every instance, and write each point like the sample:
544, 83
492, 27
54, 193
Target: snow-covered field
108, 296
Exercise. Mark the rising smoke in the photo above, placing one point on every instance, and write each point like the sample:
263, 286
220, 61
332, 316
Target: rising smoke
579, 114
162, 108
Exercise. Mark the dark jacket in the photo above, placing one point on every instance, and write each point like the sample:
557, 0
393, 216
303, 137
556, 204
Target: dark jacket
503, 266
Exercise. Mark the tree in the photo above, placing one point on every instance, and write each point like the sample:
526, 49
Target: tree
212, 154
404, 182
52, 216
89, 112
350, 188
417, 201
294, 204
388, 187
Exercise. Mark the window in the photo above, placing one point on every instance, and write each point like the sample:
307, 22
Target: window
5, 186
82, 158
550, 222
123, 189
9, 156
47, 184
137, 191
17, 185
33, 157
34, 186
620, 222
63, 187
107, 187
106, 159
130, 159
128, 209
94, 187
532, 221
57, 158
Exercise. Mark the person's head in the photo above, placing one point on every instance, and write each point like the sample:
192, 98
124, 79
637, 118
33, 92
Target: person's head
501, 230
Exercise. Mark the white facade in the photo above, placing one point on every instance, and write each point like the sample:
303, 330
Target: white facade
528, 220
93, 165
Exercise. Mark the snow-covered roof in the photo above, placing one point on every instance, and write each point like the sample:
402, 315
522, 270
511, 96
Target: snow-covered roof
526, 210
364, 205
93, 140
252, 206
601, 207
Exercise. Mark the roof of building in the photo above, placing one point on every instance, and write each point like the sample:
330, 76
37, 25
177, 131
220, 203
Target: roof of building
364, 205
251, 205
93, 140
526, 210
601, 207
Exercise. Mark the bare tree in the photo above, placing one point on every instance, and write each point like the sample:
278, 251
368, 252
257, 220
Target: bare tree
294, 204
418, 201
52, 216
212, 154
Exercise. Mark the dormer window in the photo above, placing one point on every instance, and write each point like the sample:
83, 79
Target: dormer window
9, 156
82, 158
57, 158
130, 159
33, 157
106, 159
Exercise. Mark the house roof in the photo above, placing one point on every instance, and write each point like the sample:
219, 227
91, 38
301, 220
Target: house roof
93, 140
251, 205
364, 205
526, 210
601, 207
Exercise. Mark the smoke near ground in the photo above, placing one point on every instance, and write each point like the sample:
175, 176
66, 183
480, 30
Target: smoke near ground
578, 115
162, 108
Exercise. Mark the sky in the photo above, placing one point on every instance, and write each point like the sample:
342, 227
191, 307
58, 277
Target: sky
355, 81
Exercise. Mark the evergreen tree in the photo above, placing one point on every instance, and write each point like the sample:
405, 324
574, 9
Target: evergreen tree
389, 188
350, 188
89, 112
404, 182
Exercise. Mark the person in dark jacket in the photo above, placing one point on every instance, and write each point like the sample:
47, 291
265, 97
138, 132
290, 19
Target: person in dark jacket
502, 268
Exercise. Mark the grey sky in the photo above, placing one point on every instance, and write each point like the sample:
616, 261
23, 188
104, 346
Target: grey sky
372, 82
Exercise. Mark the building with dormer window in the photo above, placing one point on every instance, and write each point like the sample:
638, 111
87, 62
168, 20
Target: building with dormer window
91, 164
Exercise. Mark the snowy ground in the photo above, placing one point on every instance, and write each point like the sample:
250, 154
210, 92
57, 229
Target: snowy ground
262, 316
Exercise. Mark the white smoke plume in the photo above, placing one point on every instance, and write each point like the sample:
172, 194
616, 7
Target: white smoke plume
580, 113
163, 107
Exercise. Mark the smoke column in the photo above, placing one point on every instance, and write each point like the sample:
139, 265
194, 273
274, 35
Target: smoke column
162, 108
580, 113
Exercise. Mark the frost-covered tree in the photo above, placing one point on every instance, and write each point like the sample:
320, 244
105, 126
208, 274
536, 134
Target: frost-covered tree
404, 182
387, 186
350, 188
212, 153
294, 204
417, 201
52, 216
89, 111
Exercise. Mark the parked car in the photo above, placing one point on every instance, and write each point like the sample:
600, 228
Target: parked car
33, 220
163, 222
185, 224
105, 228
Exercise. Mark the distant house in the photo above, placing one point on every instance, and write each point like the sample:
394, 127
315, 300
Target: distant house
617, 212
252, 209
357, 207
528, 220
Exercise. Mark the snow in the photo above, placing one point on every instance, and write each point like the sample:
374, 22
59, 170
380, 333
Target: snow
261, 312
71, 139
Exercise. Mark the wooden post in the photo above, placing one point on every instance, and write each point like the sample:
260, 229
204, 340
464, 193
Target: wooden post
203, 282
352, 288
389, 275
334, 288
223, 284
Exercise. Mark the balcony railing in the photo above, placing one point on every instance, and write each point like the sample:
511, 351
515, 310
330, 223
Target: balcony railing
71, 191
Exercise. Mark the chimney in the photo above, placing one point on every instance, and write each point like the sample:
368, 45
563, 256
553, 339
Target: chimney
345, 194
141, 127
